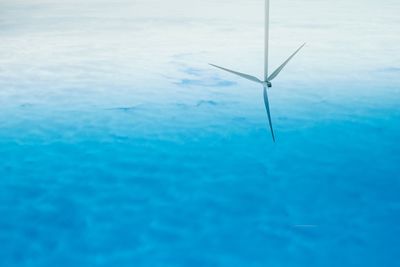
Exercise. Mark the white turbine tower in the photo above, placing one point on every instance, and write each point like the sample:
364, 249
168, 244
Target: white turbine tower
266, 82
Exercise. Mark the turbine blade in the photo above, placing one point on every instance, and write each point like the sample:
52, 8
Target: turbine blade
278, 70
266, 102
243, 75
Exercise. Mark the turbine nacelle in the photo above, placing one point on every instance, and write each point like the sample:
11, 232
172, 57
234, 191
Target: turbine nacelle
267, 84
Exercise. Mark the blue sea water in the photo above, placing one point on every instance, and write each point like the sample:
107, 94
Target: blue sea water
136, 157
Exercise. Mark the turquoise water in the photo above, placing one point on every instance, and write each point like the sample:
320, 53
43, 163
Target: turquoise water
110, 159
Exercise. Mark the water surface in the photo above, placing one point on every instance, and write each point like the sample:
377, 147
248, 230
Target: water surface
120, 146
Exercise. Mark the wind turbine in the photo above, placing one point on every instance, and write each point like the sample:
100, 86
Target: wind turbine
266, 82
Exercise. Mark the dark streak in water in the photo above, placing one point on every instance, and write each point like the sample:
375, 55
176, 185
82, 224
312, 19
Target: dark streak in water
213, 82
26, 105
125, 109
206, 102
